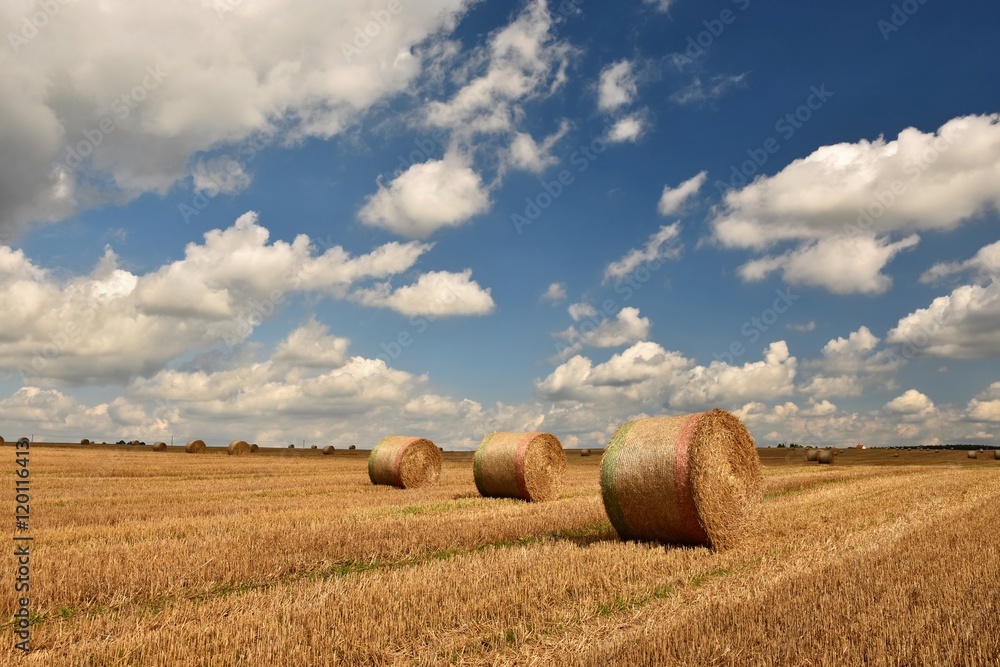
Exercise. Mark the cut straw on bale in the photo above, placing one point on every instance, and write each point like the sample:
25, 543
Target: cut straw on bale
195, 447
825, 457
160, 447
328, 450
404, 461
694, 479
238, 448
529, 466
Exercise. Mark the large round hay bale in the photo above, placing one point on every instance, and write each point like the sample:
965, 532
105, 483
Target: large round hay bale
404, 461
160, 447
812, 454
694, 479
528, 466
254, 448
825, 457
328, 450
1, 440
238, 448
996, 454
195, 447
972, 455
353, 447
85, 441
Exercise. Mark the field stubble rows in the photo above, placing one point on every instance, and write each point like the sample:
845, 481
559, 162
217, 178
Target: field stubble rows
179, 560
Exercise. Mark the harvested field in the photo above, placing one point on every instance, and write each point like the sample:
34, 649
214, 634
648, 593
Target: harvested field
143, 559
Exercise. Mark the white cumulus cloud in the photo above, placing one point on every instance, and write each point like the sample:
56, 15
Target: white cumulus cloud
673, 200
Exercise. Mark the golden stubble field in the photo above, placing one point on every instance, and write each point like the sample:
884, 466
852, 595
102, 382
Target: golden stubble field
144, 558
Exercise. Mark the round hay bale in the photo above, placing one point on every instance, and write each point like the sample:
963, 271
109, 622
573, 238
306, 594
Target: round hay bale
353, 447
585, 452
694, 479
996, 453
314, 447
825, 457
238, 448
812, 454
291, 446
404, 461
254, 448
160, 447
1, 440
528, 466
85, 441
328, 450
195, 447
972, 455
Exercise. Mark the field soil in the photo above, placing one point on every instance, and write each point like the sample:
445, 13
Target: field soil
292, 557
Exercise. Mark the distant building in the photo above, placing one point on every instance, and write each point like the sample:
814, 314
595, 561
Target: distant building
860, 447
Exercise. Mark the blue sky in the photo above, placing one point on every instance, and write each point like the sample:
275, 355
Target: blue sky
238, 219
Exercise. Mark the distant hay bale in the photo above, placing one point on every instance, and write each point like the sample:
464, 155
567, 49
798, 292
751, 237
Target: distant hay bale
314, 447
291, 446
328, 450
812, 454
85, 441
195, 447
585, 452
160, 447
352, 447
254, 448
996, 453
694, 479
404, 461
972, 455
825, 457
529, 466
238, 448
